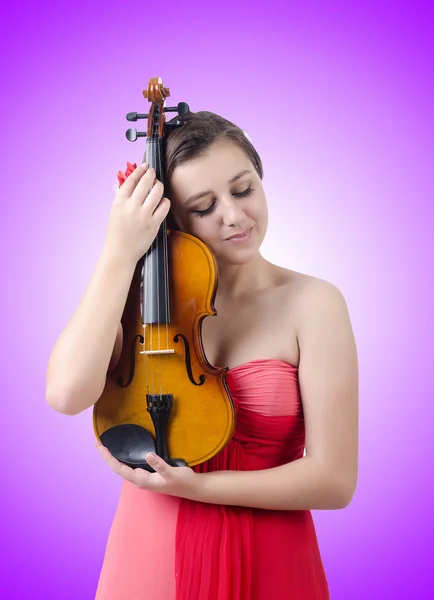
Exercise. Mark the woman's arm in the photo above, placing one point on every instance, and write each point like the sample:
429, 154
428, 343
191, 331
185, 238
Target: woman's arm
91, 342
328, 376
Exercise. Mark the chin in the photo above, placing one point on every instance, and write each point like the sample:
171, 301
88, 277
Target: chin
237, 258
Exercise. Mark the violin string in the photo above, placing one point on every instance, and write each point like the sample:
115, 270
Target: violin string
152, 165
166, 283
146, 295
157, 260
165, 273
143, 309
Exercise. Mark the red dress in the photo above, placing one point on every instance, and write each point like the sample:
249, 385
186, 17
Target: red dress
164, 548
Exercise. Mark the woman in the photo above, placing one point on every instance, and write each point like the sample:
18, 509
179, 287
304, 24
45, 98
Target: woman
238, 527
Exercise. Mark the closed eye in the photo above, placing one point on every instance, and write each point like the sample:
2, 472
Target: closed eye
207, 211
246, 192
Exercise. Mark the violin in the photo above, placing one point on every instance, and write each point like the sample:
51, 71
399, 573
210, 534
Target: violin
164, 396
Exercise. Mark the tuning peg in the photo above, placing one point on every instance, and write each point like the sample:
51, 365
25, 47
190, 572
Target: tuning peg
181, 109
133, 134
174, 124
133, 116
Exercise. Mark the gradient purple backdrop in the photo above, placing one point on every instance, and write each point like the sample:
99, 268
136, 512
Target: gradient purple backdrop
337, 97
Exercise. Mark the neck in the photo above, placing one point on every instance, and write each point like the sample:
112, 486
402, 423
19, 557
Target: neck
238, 281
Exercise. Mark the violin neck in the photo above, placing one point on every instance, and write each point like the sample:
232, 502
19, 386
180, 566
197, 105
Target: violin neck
155, 152
154, 276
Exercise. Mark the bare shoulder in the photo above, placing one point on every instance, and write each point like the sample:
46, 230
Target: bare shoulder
313, 304
310, 295
300, 287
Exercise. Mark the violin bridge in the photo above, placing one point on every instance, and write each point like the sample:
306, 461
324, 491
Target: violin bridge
168, 351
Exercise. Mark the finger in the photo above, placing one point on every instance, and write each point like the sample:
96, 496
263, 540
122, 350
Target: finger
142, 479
148, 191
118, 467
138, 477
131, 182
109, 458
162, 210
159, 465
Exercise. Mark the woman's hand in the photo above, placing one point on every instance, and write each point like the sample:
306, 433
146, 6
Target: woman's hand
172, 481
137, 212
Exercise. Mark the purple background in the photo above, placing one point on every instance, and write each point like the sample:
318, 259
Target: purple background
337, 97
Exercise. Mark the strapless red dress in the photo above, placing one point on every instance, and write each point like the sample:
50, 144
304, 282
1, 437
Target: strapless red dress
165, 548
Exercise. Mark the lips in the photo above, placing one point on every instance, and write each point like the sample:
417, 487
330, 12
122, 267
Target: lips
239, 235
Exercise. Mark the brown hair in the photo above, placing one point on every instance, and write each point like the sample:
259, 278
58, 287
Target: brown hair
200, 130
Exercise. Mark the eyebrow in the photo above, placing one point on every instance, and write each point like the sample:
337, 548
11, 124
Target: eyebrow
197, 196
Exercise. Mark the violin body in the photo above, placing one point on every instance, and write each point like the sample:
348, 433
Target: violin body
163, 395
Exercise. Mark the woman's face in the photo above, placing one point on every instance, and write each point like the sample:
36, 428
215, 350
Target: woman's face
220, 195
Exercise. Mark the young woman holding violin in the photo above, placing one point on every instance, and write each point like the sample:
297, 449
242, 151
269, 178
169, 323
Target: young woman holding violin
237, 526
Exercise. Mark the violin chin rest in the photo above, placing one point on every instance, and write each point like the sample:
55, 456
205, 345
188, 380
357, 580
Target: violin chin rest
129, 443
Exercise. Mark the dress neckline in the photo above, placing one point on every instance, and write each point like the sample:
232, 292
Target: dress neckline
263, 360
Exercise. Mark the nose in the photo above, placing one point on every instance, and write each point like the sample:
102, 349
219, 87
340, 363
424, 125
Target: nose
232, 213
